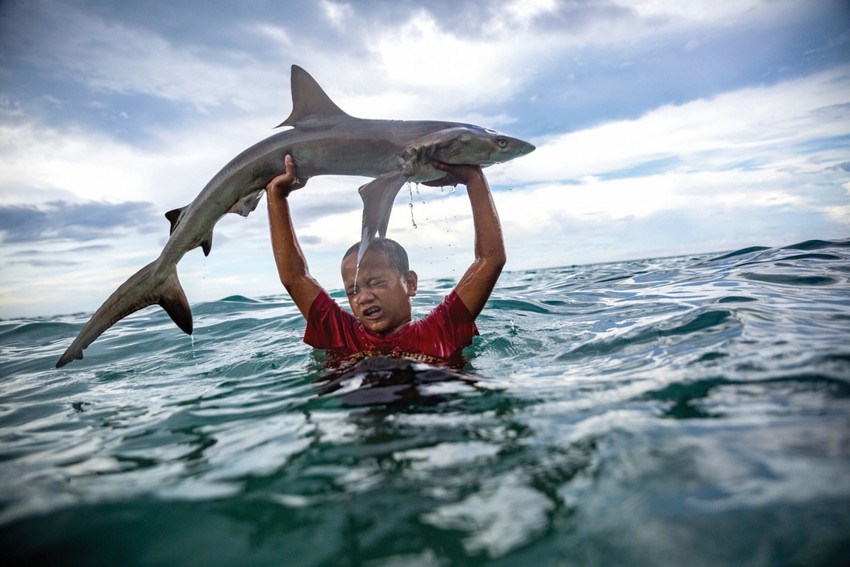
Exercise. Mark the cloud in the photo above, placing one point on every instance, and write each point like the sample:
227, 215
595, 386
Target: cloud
60, 220
43, 258
754, 127
44, 263
111, 56
661, 127
31, 252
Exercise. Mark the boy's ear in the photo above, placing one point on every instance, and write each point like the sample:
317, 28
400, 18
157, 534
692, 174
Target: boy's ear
412, 280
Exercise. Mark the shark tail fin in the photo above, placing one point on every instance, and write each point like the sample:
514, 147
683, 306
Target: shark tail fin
136, 293
308, 99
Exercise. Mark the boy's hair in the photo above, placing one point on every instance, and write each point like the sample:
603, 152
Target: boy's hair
394, 251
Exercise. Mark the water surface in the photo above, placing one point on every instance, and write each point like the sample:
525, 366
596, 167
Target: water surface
691, 410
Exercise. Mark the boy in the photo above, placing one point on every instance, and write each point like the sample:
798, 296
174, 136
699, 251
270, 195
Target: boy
379, 292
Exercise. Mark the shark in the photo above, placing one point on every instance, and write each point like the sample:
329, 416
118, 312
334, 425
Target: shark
323, 140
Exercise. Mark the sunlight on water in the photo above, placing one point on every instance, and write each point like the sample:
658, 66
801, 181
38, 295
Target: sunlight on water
677, 411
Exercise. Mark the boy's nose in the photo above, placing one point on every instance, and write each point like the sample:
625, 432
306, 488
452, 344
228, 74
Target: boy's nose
362, 295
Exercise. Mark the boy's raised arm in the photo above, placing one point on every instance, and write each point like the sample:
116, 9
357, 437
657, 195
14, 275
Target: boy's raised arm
477, 283
290, 261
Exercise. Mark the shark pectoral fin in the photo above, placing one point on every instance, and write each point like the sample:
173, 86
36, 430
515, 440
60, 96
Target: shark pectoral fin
246, 205
378, 196
173, 217
173, 300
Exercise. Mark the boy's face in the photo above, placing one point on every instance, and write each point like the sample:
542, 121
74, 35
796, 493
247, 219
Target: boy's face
380, 298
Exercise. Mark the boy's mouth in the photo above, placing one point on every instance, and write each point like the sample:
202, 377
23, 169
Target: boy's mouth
371, 311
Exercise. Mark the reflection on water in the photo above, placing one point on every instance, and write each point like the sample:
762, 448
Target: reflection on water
690, 410
384, 380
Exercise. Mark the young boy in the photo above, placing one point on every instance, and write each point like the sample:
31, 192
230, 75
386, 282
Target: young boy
380, 319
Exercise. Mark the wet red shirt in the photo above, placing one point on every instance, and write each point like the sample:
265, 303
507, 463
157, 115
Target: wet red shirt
438, 337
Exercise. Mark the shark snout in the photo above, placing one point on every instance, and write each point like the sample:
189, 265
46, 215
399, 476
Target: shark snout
508, 149
523, 148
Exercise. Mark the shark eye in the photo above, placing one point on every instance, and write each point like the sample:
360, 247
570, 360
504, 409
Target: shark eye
503, 143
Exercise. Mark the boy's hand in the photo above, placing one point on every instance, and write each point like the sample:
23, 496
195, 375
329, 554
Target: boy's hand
286, 182
462, 174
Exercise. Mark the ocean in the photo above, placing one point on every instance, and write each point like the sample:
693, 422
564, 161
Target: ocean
675, 411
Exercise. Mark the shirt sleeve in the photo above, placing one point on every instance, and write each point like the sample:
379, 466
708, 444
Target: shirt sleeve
449, 328
327, 323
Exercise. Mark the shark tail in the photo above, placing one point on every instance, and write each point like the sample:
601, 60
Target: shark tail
141, 290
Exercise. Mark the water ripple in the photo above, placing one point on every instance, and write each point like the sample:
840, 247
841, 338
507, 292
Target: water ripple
610, 414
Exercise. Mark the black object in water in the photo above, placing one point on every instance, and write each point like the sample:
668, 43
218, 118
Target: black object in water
380, 380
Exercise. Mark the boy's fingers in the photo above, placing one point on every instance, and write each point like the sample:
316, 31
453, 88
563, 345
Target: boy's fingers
443, 181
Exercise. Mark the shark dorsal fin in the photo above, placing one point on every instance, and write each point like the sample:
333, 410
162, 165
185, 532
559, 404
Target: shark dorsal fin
309, 100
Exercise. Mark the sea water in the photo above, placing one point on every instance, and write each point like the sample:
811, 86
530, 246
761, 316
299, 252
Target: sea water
678, 411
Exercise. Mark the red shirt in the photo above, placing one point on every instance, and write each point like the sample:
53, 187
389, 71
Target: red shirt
438, 337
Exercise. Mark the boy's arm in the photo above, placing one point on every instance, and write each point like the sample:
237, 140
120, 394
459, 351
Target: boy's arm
291, 264
477, 283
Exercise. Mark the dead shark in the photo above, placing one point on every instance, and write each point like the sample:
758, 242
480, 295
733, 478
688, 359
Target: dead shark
323, 140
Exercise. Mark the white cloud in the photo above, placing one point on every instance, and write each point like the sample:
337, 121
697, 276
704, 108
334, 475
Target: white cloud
761, 125
115, 57
337, 13
78, 164
721, 11
523, 12
734, 165
539, 209
692, 45
749, 166
421, 54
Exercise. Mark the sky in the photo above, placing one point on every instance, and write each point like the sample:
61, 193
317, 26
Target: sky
662, 128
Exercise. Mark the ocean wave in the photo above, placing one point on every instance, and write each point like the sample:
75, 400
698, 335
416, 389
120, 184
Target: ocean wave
704, 396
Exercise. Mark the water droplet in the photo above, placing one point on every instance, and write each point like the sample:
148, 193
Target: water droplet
410, 190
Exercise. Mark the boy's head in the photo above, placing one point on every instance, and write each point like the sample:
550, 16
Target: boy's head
395, 252
380, 298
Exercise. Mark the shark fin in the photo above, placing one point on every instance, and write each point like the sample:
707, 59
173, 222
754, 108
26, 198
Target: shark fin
378, 196
309, 100
242, 207
173, 217
136, 293
173, 300
206, 244
246, 205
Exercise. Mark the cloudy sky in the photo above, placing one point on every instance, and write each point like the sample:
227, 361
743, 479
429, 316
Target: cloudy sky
662, 127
